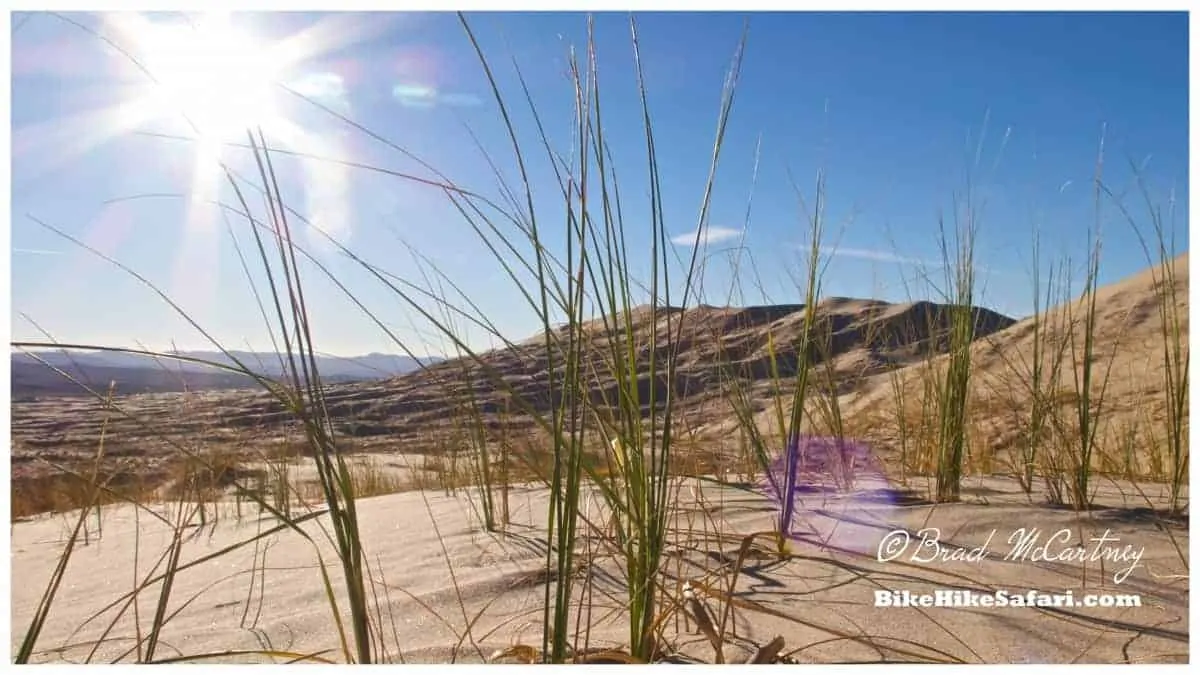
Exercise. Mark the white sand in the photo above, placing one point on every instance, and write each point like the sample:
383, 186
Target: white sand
223, 605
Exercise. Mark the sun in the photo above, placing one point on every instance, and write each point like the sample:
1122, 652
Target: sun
217, 76
221, 82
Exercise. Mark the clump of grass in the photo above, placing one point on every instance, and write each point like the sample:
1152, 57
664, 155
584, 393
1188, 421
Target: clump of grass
1043, 378
205, 476
65, 490
1161, 252
940, 438
1089, 394
279, 484
955, 387
482, 468
595, 278
806, 350
912, 421
372, 477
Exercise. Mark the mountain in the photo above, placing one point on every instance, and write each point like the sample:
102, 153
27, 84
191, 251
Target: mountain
137, 373
422, 409
865, 351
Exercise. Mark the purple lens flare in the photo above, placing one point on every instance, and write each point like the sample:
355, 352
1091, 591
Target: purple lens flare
831, 492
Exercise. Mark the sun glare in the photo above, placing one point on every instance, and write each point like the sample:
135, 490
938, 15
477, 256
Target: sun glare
216, 75
220, 81
211, 79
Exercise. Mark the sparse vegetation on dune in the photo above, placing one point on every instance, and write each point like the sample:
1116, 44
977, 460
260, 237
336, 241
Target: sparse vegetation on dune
616, 465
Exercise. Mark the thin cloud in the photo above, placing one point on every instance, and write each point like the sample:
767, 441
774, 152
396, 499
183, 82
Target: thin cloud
422, 96
877, 256
888, 257
708, 235
36, 251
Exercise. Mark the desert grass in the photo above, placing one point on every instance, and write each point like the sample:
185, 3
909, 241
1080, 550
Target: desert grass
627, 480
1053, 395
1088, 400
67, 489
1042, 376
1161, 250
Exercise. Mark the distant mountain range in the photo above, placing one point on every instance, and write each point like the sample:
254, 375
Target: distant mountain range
880, 359
135, 373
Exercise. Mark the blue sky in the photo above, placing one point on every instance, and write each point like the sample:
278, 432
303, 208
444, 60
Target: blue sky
902, 112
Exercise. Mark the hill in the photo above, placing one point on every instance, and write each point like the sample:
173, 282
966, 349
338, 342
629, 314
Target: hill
34, 374
875, 360
422, 410
1129, 371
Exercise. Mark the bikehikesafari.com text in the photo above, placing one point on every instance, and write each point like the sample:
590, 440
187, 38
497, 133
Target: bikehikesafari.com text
959, 598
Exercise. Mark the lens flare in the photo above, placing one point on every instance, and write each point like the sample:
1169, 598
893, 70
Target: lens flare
831, 492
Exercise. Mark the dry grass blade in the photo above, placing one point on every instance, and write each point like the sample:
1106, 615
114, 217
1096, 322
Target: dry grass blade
699, 612
290, 657
757, 607
768, 652
609, 656
521, 653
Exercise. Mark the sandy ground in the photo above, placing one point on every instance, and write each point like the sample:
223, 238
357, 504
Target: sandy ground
451, 592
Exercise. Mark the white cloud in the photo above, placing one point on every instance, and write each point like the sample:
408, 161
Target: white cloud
709, 235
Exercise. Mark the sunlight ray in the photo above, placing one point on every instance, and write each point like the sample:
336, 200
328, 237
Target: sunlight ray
55, 142
195, 272
327, 194
330, 34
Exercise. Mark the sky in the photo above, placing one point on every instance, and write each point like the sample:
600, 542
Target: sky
917, 123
